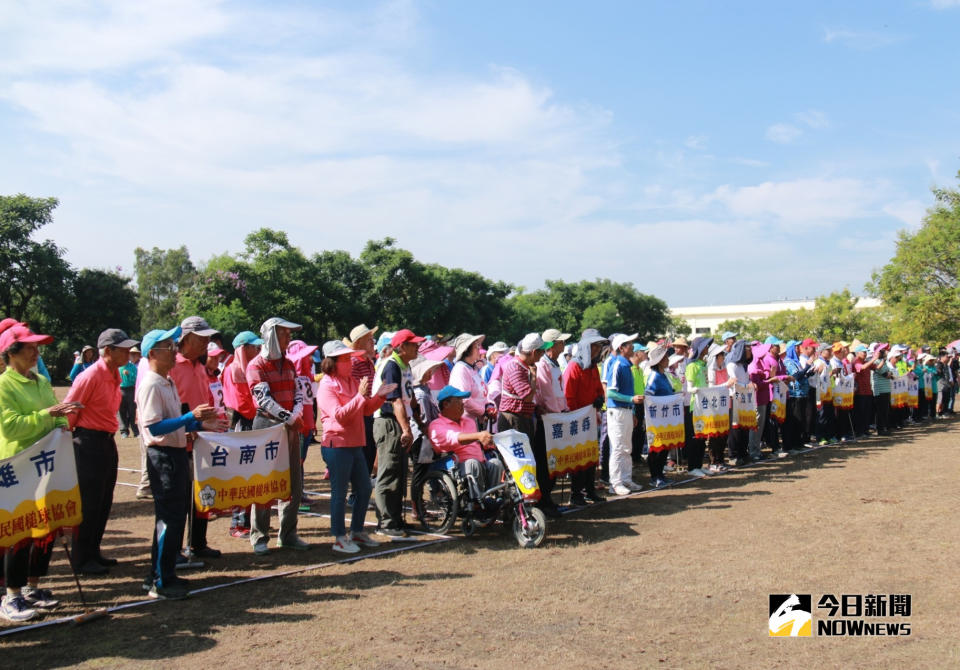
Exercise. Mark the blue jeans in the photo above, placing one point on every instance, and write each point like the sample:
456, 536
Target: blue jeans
347, 465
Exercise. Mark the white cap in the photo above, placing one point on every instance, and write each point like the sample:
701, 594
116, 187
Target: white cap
621, 340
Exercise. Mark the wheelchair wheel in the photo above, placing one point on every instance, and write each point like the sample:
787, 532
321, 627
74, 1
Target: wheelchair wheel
435, 502
536, 529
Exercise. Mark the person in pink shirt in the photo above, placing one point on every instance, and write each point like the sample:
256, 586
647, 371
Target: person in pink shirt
341, 403
457, 433
549, 400
466, 377
94, 427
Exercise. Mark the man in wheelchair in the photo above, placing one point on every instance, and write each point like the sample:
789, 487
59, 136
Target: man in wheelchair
453, 432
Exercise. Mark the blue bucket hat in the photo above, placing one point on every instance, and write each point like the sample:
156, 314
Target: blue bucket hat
728, 335
246, 337
773, 339
155, 336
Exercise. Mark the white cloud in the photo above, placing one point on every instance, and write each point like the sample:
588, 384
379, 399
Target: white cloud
813, 119
863, 40
783, 133
911, 212
809, 202
944, 4
696, 142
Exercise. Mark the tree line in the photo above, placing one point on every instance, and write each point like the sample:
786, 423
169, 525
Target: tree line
332, 291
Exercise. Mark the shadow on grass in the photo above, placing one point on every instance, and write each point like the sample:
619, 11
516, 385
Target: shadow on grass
187, 627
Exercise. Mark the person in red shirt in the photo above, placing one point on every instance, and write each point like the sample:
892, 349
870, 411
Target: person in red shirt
364, 367
95, 449
863, 390
582, 387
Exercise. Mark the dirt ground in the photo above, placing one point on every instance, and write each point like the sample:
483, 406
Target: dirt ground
674, 578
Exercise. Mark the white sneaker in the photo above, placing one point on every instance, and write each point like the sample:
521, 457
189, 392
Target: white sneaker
345, 545
633, 486
15, 608
363, 540
620, 490
697, 472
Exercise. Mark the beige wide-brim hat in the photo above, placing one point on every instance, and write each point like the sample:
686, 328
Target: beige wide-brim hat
361, 331
463, 342
680, 342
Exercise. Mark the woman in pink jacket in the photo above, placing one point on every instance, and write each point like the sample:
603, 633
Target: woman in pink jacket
341, 404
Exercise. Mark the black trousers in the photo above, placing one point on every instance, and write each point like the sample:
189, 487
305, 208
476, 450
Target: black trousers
128, 412
96, 455
656, 460
810, 415
844, 422
169, 471
693, 447
826, 422
882, 404
794, 425
737, 442
544, 480
862, 410
30, 560
370, 446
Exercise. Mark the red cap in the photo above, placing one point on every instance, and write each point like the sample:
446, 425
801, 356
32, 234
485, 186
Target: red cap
809, 342
20, 333
404, 335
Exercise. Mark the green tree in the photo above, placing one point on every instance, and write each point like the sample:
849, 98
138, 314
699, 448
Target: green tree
161, 275
603, 316
921, 283
34, 277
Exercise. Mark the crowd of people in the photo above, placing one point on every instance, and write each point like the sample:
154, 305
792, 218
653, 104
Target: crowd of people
383, 408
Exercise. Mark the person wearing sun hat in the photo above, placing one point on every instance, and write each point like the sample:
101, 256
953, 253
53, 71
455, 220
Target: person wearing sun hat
342, 403
273, 382
621, 399
582, 387
466, 377
494, 352
365, 367
658, 384
30, 411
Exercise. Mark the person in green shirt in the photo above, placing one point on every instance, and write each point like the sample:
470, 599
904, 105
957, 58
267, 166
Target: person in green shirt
28, 411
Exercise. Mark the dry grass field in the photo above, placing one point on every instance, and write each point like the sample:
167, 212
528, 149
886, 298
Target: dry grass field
673, 578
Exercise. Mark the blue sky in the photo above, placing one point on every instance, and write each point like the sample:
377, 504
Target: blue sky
707, 152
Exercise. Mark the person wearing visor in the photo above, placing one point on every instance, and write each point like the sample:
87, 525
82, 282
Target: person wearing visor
164, 427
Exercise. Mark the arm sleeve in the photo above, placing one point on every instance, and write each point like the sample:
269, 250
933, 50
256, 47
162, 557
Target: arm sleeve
169, 425
266, 403
619, 397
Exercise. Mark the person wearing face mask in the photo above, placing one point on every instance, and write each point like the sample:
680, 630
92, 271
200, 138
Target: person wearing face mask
582, 387
273, 382
342, 402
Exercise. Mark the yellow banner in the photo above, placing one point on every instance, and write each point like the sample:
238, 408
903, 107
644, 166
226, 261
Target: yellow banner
235, 470
898, 393
514, 448
913, 393
843, 393
664, 419
39, 494
711, 411
571, 439
778, 401
744, 408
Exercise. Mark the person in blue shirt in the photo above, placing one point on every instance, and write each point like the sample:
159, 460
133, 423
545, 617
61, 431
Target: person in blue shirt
621, 399
88, 356
658, 385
